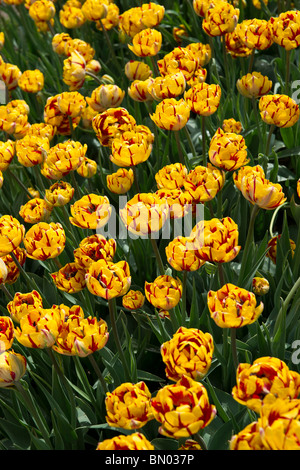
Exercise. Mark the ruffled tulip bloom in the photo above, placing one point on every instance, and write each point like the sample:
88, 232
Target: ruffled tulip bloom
136, 70
107, 279
168, 86
266, 378
59, 194
134, 20
216, 240
180, 202
233, 307
12, 368
133, 300
71, 16
135, 441
31, 81
182, 255
74, 71
93, 248
202, 52
12, 270
255, 33
105, 97
111, 19
286, 29
235, 46
94, 10
13, 123
164, 292
228, 151
203, 98
178, 60
112, 123
7, 152
87, 168
6, 333
69, 278
3, 271
139, 90
189, 352
83, 48
62, 123
41, 129
81, 336
231, 125
130, 149
201, 6
31, 150
22, 304
220, 19
198, 77
260, 285
63, 158
272, 248
71, 103
35, 210
247, 171
91, 211
10, 74
254, 85
11, 234
144, 214
121, 181
128, 406
182, 408
204, 183
146, 43
38, 329
45, 241
171, 176
42, 10
262, 192
279, 110
171, 115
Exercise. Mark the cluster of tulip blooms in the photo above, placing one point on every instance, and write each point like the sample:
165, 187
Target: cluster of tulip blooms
173, 89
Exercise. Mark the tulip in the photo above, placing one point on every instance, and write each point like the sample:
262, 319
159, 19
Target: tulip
231, 125
178, 60
136, 70
272, 248
6, 333
42, 10
31, 149
63, 158
130, 149
182, 408
35, 210
83, 48
255, 33
167, 86
61, 122
111, 20
94, 10
38, 329
164, 292
12, 368
7, 152
235, 46
203, 99
41, 129
3, 271
179, 201
220, 19
10, 74
22, 304
71, 16
228, 151
45, 241
286, 29
91, 211
135, 441
107, 279
171, 176
171, 114
94, 248
69, 278
254, 85
74, 71
188, 353
182, 255
59, 194
31, 81
106, 96
201, 6
11, 234
71, 103
133, 300
59, 42
128, 406
146, 43
203, 183
247, 171
260, 285
121, 181
262, 192
279, 110
112, 123
201, 51
12, 271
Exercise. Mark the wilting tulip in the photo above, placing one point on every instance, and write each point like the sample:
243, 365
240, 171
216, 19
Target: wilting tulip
91, 211
203, 183
171, 114
128, 406
45, 241
107, 279
254, 85
133, 300
146, 43
286, 29
12, 368
267, 377
228, 151
260, 285
59, 194
279, 110
93, 248
262, 192
112, 123
220, 19
6, 333
11, 234
182, 255
22, 304
203, 98
135, 441
38, 329
233, 307
216, 240
189, 352
121, 181
182, 408
164, 292
35, 210
136, 70
69, 278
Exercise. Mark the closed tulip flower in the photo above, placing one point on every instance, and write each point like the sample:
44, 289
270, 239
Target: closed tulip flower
216, 240
286, 29
62, 123
42, 10
266, 378
11, 234
31, 81
130, 149
204, 183
128, 406
144, 214
164, 292
203, 98
112, 123
45, 241
10, 74
93, 248
35, 210
31, 150
228, 151
220, 19
146, 43
81, 336
95, 10
74, 71
137, 70
69, 278
247, 171
182, 408
7, 152
6, 333
38, 329
133, 300
179, 59
231, 125
171, 115
233, 307
260, 285
13, 271
171, 176
106, 96
91, 211
189, 352
262, 192
23, 303
135, 441
254, 85
41, 129
139, 90
59, 194
12, 368
182, 255
168, 86
272, 248
255, 33
279, 110
71, 103
121, 181
107, 279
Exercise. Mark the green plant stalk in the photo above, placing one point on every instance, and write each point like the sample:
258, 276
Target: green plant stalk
249, 239
203, 130
180, 154
183, 297
234, 348
271, 130
154, 66
254, 106
157, 256
98, 372
287, 71
112, 316
11, 173
200, 441
285, 304
32, 408
97, 79
227, 77
6, 291
221, 274
135, 178
191, 145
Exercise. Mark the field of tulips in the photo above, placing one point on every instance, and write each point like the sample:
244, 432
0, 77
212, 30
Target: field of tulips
149, 225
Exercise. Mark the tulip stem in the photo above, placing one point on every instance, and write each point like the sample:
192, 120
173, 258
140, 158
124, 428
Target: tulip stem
11, 173
227, 77
192, 147
287, 71
158, 257
154, 66
233, 347
112, 315
75, 184
6, 291
98, 372
183, 297
204, 163
33, 411
221, 274
272, 128
97, 79
177, 138
136, 181
249, 239
254, 106
200, 441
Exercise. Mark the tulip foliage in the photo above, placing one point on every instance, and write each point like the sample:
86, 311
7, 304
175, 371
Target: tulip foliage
149, 225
